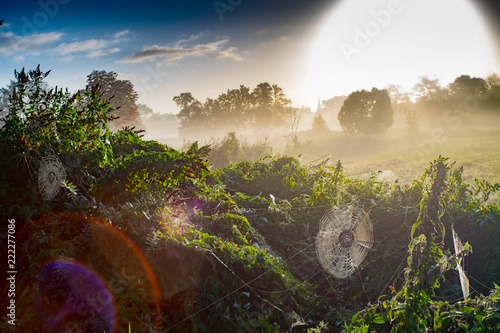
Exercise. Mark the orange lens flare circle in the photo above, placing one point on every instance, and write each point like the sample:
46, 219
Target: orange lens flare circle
82, 274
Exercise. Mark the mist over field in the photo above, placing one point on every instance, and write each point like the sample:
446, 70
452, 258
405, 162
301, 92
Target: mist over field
460, 120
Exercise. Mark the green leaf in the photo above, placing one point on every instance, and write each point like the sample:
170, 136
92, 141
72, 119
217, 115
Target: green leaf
414, 227
380, 318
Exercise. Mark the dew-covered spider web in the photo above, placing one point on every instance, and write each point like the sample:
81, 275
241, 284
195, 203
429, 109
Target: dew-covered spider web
344, 239
51, 174
464, 281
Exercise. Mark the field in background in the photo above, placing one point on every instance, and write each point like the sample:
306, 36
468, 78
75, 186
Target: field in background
404, 157
395, 155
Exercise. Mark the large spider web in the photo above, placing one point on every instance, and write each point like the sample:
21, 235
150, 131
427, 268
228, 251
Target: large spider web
51, 174
344, 239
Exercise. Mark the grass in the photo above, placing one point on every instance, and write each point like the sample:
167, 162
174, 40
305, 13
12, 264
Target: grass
399, 155
405, 156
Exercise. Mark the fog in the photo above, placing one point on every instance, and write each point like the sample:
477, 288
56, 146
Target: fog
460, 121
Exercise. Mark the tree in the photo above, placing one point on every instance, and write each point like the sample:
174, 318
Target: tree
234, 107
269, 104
367, 112
430, 91
145, 111
468, 91
412, 120
493, 86
122, 97
5, 94
334, 104
293, 118
397, 94
192, 116
319, 123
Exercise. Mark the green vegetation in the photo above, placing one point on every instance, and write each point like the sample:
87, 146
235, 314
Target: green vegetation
137, 236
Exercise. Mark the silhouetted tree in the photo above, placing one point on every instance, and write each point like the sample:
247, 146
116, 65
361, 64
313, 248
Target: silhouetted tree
193, 118
269, 105
366, 112
466, 90
122, 97
235, 109
493, 86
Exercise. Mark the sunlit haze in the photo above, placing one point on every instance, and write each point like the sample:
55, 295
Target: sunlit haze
360, 44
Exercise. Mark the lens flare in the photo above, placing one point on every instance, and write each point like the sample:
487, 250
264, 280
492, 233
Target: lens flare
87, 297
80, 274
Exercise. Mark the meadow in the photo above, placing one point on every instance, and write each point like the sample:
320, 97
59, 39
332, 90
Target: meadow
402, 157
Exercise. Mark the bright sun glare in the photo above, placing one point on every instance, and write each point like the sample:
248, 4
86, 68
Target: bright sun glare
366, 43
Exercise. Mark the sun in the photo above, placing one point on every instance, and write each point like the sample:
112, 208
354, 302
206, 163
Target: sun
361, 44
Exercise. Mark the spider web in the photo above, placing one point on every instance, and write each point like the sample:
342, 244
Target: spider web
344, 239
464, 281
50, 176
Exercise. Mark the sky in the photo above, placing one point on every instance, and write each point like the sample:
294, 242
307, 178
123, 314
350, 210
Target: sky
312, 49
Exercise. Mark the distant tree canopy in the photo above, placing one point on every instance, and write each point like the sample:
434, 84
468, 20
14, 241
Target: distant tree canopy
366, 112
463, 97
334, 104
122, 97
237, 109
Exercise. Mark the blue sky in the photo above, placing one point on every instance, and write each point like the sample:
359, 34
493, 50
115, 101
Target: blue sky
307, 47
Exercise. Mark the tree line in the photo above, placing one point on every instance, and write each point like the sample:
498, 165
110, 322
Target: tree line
235, 110
267, 106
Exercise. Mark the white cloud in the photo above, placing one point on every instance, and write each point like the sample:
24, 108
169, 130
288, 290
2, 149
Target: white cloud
102, 53
43, 43
230, 53
11, 43
67, 58
120, 34
191, 38
180, 50
94, 47
87, 45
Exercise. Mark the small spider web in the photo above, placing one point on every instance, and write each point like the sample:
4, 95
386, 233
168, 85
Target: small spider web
344, 239
50, 176
464, 281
